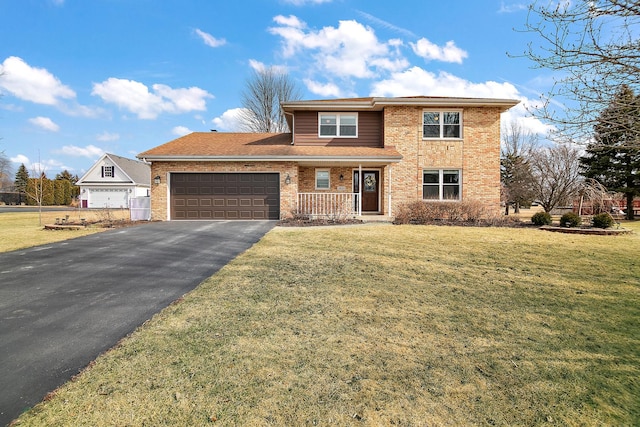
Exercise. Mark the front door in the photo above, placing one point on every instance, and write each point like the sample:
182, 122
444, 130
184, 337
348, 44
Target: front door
370, 184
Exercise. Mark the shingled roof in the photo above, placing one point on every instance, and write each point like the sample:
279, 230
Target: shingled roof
260, 147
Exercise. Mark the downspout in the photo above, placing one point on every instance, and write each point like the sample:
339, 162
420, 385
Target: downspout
293, 126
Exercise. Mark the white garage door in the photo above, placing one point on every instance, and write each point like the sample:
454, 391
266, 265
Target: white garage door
109, 198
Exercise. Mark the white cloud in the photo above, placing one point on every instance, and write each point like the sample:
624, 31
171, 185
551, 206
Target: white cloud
209, 40
260, 67
90, 151
511, 8
289, 21
431, 51
181, 130
257, 65
520, 115
36, 168
305, 2
229, 121
32, 84
184, 100
136, 97
417, 81
44, 123
350, 50
329, 90
386, 24
21, 158
107, 136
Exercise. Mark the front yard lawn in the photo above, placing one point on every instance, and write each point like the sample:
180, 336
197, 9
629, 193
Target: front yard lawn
384, 325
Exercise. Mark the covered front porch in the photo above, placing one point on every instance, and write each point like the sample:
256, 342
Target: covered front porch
344, 191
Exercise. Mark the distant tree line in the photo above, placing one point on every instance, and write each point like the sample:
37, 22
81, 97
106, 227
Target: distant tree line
42, 191
554, 175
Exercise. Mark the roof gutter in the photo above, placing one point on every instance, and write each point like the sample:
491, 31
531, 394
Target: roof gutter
378, 104
341, 159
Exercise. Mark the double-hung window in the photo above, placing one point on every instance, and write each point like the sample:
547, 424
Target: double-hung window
343, 125
322, 179
441, 184
441, 124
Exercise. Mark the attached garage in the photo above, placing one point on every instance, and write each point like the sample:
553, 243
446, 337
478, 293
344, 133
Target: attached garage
224, 196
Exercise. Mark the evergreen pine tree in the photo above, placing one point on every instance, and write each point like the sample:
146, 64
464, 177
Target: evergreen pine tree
613, 158
21, 180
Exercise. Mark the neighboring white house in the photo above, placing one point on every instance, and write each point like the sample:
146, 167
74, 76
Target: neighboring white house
112, 181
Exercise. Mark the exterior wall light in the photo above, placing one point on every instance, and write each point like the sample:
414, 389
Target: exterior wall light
287, 180
156, 180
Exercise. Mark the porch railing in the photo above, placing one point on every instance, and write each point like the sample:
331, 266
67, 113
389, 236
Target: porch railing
330, 205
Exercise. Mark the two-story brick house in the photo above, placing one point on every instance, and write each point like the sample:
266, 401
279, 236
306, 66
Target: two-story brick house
358, 156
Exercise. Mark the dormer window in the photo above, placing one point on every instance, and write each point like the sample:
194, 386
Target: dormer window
334, 125
107, 171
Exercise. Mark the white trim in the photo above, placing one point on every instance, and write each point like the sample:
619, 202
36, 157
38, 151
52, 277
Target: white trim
378, 104
441, 112
338, 120
315, 174
441, 184
341, 159
360, 171
389, 191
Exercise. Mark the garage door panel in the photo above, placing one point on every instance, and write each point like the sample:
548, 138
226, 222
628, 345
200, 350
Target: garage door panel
225, 196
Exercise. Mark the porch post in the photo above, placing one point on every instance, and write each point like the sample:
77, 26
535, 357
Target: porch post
360, 189
389, 190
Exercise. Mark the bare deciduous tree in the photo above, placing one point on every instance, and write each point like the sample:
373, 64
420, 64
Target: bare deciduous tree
261, 99
516, 151
595, 47
37, 188
556, 175
5, 171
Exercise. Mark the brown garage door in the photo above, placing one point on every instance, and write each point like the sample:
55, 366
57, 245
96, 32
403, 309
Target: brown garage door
225, 196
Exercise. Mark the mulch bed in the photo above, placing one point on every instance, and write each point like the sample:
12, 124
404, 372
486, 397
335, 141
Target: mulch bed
587, 230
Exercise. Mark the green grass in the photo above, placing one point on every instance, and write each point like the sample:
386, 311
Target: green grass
384, 325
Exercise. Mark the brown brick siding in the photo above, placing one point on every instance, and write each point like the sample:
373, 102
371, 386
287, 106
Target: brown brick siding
477, 154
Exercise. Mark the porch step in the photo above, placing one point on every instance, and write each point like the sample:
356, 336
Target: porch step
374, 218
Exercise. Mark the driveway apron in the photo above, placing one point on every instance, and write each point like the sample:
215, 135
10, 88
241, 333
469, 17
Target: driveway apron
63, 304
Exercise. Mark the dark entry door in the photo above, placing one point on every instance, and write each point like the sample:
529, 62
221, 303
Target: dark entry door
370, 183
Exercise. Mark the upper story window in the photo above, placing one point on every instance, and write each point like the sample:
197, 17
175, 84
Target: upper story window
441, 124
107, 171
344, 125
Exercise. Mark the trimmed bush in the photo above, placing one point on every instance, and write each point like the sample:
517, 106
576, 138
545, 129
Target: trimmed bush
603, 220
541, 218
420, 212
570, 219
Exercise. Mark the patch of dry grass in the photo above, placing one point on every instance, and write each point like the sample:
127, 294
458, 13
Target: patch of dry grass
384, 325
21, 230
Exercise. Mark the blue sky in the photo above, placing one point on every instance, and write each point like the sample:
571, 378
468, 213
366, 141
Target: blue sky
81, 78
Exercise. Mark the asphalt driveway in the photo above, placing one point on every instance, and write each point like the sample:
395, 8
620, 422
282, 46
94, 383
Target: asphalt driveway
63, 304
